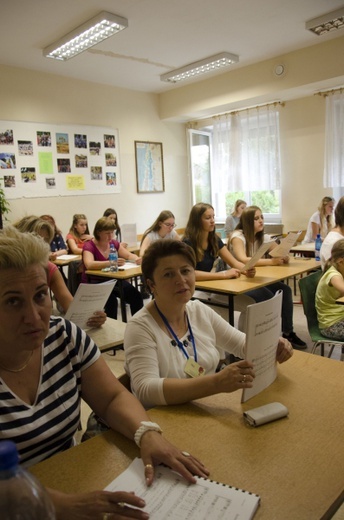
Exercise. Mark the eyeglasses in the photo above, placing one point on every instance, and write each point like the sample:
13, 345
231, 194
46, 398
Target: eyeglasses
170, 225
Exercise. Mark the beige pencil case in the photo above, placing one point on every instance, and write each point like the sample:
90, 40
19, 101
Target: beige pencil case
265, 414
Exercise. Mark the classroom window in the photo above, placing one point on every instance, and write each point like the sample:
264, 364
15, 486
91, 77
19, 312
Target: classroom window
334, 139
244, 151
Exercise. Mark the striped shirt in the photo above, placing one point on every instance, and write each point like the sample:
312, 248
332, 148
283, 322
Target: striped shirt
48, 425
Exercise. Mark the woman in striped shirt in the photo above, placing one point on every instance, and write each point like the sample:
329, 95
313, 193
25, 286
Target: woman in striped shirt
46, 365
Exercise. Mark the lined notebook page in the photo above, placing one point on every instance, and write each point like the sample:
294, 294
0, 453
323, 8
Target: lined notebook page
171, 497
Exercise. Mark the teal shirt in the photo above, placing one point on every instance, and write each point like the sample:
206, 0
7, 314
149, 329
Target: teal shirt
329, 312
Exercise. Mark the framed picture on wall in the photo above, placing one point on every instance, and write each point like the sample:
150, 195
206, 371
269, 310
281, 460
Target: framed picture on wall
149, 167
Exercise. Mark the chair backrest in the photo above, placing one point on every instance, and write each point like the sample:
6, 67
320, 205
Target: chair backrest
308, 286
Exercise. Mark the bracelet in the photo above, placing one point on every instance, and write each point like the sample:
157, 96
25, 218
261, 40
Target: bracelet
146, 426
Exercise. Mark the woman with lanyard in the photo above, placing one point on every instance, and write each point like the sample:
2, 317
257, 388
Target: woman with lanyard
173, 345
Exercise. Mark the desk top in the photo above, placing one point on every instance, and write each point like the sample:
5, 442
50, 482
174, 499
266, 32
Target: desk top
294, 464
109, 335
67, 259
264, 276
303, 248
118, 275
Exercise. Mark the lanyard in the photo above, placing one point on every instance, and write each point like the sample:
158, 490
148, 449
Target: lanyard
174, 335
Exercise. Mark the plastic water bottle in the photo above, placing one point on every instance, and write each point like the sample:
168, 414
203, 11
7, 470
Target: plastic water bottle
318, 243
22, 497
113, 258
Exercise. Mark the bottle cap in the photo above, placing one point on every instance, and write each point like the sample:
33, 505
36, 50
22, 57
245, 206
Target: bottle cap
9, 458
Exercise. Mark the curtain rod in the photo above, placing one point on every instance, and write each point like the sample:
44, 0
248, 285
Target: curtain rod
275, 103
326, 93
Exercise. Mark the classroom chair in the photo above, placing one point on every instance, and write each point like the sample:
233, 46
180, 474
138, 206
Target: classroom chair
308, 285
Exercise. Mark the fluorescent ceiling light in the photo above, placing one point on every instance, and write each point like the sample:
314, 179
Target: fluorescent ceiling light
326, 23
85, 36
200, 67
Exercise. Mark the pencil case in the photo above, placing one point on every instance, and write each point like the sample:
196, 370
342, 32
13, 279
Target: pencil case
265, 414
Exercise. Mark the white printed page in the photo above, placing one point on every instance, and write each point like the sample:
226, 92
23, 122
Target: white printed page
88, 299
171, 498
283, 249
263, 329
258, 255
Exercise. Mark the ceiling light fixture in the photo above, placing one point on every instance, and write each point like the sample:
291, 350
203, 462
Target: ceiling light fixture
200, 67
326, 23
85, 36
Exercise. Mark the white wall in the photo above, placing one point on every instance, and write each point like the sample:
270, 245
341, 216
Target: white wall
31, 96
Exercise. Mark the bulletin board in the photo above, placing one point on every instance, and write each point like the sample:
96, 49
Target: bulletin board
49, 160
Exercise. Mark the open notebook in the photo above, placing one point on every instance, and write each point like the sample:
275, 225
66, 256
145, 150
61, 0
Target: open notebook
171, 496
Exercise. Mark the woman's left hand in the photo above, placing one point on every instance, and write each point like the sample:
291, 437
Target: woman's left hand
155, 449
97, 319
286, 259
284, 350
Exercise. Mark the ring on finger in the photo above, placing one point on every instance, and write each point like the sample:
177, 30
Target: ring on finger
121, 504
148, 466
105, 516
186, 454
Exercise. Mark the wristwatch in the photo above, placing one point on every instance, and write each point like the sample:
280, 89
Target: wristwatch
146, 426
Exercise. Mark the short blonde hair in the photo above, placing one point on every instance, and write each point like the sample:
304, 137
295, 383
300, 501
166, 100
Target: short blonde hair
20, 250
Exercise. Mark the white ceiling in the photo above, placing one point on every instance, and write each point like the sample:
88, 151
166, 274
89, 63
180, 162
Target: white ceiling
162, 35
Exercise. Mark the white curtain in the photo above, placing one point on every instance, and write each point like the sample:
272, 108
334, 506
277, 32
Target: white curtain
334, 141
246, 150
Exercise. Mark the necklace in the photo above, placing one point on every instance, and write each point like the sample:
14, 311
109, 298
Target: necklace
18, 369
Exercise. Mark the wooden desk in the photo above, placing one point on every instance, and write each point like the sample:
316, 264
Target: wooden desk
265, 275
294, 464
109, 336
119, 275
66, 261
304, 248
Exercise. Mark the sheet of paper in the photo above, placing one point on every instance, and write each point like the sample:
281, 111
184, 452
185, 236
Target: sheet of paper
258, 255
285, 245
127, 265
171, 497
263, 329
88, 299
129, 234
68, 257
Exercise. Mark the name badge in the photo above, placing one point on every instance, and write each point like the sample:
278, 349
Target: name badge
193, 369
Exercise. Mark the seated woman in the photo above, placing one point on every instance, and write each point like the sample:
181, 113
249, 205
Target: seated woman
214, 261
174, 339
330, 288
95, 255
162, 227
78, 234
56, 282
111, 213
58, 246
46, 365
244, 242
233, 219
321, 222
336, 233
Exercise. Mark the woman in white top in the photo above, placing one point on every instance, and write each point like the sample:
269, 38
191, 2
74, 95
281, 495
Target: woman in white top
233, 219
321, 222
162, 227
173, 340
244, 243
335, 234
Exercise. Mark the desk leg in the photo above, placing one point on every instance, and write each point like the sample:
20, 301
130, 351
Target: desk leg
231, 309
122, 301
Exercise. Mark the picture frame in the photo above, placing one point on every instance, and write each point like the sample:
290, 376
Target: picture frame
149, 167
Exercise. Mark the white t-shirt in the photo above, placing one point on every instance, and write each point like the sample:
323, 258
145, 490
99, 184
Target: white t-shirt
238, 233
150, 356
326, 247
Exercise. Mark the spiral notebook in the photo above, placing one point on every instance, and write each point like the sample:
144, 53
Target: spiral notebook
171, 497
